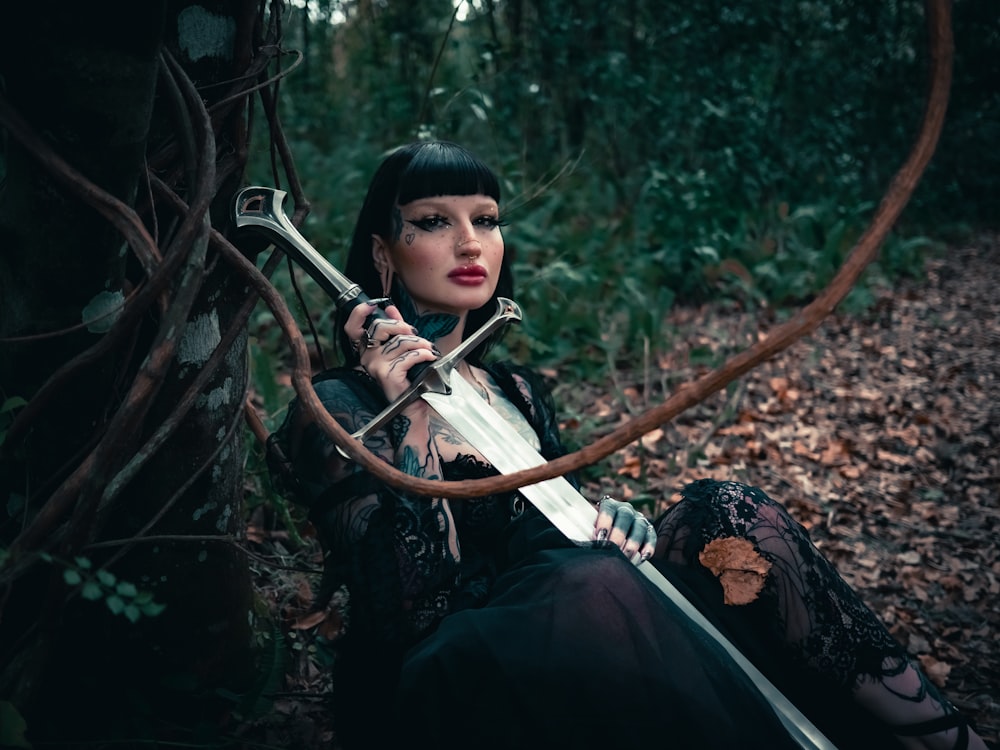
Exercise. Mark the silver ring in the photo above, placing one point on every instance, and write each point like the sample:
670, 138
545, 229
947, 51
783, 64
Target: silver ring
367, 341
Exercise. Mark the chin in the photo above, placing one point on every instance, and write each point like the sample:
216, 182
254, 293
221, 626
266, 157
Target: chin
467, 300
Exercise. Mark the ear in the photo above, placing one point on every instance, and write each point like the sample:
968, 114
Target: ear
380, 255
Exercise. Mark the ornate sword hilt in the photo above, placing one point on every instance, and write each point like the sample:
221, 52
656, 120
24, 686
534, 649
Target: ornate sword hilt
260, 209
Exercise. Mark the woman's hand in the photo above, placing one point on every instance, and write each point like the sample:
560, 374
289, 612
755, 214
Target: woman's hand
387, 348
626, 527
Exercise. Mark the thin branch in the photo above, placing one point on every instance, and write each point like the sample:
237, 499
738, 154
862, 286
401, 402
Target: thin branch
297, 289
110, 543
437, 60
234, 541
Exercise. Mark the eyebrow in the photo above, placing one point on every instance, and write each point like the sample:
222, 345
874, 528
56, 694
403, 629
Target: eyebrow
487, 205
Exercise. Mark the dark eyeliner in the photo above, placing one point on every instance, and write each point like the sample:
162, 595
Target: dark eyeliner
427, 223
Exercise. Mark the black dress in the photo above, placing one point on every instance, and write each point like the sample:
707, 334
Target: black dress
475, 623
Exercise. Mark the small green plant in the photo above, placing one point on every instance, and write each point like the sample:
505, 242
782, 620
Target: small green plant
121, 597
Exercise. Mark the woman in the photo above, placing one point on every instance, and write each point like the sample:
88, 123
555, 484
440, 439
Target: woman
474, 622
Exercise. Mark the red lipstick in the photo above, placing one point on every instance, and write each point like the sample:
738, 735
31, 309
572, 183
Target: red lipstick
468, 275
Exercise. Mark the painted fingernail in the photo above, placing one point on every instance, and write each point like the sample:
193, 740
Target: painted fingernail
602, 534
435, 351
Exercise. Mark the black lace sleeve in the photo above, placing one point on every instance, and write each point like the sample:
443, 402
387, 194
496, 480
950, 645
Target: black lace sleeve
397, 553
406, 560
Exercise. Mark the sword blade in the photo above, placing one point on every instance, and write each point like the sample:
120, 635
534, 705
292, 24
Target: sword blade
571, 513
467, 411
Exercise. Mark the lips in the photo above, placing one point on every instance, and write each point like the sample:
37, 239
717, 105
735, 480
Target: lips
468, 275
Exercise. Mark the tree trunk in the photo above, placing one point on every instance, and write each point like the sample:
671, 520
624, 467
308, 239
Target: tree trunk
77, 666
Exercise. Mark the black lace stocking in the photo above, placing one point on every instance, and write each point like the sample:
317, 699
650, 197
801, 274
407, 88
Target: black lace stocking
815, 615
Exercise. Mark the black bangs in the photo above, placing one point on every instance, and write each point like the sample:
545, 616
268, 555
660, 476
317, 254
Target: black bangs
442, 168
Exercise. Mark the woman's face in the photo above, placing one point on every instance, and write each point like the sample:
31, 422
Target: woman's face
446, 251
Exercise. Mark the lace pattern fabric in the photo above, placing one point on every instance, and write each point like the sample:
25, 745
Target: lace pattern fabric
815, 612
809, 610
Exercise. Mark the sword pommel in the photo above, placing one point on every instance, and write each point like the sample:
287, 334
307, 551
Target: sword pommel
260, 209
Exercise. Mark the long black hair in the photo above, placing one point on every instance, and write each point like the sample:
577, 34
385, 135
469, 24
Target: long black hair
418, 170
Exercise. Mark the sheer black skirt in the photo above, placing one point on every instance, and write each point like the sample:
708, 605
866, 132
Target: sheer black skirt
575, 647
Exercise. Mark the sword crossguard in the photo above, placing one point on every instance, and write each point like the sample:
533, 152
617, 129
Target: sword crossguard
436, 377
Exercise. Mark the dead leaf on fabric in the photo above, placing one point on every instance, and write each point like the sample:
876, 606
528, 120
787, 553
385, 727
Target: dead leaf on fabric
738, 566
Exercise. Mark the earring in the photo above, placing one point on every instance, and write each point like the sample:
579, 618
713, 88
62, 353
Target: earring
386, 281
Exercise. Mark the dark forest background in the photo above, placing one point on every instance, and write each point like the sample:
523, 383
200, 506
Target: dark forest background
653, 153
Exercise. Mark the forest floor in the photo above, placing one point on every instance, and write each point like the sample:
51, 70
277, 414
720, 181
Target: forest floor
880, 432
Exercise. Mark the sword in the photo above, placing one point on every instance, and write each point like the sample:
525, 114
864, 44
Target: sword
458, 403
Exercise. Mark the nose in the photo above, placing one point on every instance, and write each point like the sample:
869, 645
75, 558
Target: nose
468, 245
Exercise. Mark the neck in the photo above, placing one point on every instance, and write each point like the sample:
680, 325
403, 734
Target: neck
449, 341
444, 330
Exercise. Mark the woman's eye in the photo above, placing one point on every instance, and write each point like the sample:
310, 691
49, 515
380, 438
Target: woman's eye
428, 223
491, 222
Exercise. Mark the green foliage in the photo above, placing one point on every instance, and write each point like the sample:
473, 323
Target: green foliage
652, 155
120, 597
261, 492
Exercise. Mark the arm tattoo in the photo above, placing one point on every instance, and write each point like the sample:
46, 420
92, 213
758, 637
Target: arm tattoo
408, 460
399, 426
408, 463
